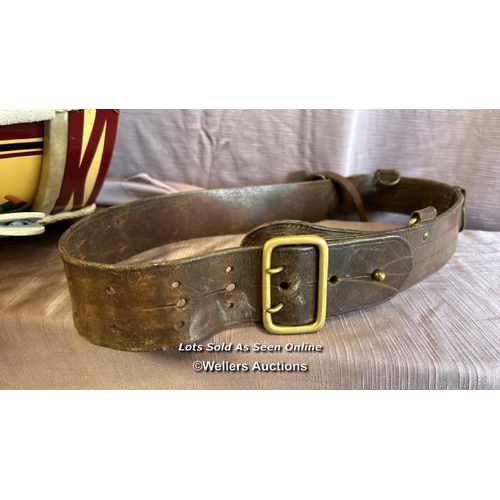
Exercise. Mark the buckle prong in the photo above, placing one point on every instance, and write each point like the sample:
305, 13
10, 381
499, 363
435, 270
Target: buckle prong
275, 309
275, 270
267, 271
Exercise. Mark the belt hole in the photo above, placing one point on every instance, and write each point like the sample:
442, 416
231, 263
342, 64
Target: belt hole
284, 285
230, 287
181, 303
229, 269
179, 324
334, 280
176, 284
229, 305
110, 290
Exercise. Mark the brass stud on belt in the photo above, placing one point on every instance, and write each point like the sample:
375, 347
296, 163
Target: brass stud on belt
425, 214
413, 221
426, 236
388, 177
378, 275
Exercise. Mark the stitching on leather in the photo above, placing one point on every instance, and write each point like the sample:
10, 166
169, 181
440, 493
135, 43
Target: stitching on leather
414, 230
442, 235
432, 271
417, 229
449, 201
432, 255
422, 278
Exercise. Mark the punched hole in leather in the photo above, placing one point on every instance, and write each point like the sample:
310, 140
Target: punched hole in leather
124, 302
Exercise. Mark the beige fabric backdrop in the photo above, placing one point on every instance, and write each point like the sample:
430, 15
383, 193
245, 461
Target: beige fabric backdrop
214, 148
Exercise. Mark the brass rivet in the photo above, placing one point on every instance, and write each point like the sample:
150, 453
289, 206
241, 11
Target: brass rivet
426, 235
181, 302
388, 177
176, 284
230, 287
378, 275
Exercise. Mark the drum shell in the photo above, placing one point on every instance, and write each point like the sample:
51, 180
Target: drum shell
58, 165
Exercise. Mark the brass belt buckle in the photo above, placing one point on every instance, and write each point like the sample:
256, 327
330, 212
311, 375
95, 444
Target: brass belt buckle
267, 271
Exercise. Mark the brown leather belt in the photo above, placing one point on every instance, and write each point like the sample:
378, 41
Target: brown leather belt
289, 274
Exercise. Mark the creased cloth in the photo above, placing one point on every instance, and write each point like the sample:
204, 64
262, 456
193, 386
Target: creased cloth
136, 187
12, 116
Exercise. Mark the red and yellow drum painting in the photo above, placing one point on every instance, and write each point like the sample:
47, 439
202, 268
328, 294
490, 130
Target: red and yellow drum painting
58, 165
21, 149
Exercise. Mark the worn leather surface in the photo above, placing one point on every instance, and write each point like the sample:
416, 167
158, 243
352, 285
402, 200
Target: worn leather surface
156, 306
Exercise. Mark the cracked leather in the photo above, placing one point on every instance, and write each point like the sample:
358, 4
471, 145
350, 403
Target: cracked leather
156, 306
